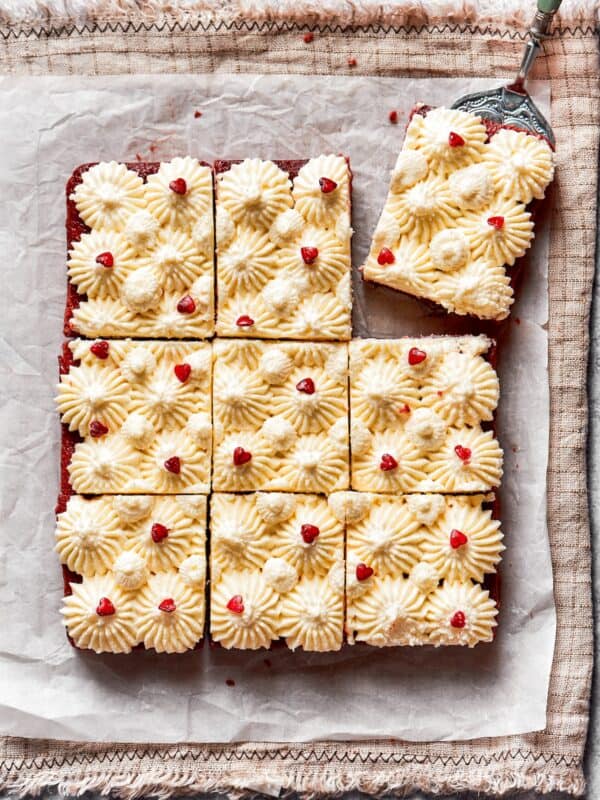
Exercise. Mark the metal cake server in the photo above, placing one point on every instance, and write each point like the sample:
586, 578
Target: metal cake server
511, 105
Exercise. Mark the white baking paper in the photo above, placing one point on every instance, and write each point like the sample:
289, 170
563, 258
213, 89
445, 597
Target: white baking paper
47, 689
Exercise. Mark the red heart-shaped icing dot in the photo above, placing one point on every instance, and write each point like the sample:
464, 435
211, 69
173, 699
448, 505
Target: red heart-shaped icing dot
100, 349
168, 605
455, 139
457, 539
97, 429
309, 533
464, 453
106, 259
387, 463
241, 456
186, 305
405, 409
306, 385
416, 356
158, 532
385, 256
363, 572
309, 254
173, 465
105, 608
458, 620
236, 604
496, 222
179, 186
182, 372
244, 321
327, 185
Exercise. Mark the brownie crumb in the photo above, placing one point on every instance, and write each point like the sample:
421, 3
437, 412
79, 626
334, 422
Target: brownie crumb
308, 38
267, 662
230, 682
393, 117
197, 114
352, 61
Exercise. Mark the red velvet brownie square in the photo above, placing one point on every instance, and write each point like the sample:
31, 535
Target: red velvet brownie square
416, 567
277, 572
141, 250
422, 414
283, 248
458, 213
135, 571
280, 416
136, 417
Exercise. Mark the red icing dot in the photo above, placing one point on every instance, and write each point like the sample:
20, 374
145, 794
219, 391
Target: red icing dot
363, 572
105, 608
405, 409
496, 222
306, 385
309, 254
457, 539
309, 533
464, 453
387, 463
100, 349
416, 356
97, 429
308, 38
173, 465
236, 604
182, 372
186, 305
393, 117
455, 139
327, 185
179, 186
244, 321
167, 605
385, 257
458, 620
158, 532
241, 456
106, 259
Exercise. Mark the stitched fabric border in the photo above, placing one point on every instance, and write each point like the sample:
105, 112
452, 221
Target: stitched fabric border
546, 761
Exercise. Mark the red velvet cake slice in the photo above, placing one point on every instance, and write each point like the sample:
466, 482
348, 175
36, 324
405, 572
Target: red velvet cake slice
141, 250
458, 215
283, 248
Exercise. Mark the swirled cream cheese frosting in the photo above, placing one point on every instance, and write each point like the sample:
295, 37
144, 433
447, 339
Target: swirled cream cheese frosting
145, 268
143, 411
272, 555
280, 416
413, 562
456, 214
283, 249
417, 407
143, 563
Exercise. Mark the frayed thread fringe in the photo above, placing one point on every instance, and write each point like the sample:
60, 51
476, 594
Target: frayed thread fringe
308, 785
508, 13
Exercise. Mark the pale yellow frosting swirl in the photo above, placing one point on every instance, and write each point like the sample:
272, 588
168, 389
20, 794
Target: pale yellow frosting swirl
521, 165
430, 135
318, 207
241, 399
478, 608
248, 262
88, 535
314, 465
481, 472
250, 476
313, 558
109, 633
175, 260
183, 537
389, 539
170, 631
424, 209
108, 195
177, 209
89, 393
498, 245
463, 390
238, 537
92, 277
330, 264
312, 616
390, 614
275, 507
257, 625
367, 474
254, 192
194, 474
103, 466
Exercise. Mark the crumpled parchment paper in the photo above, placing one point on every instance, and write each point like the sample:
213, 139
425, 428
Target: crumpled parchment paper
47, 689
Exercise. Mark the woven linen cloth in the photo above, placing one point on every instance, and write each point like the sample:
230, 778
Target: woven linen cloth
400, 41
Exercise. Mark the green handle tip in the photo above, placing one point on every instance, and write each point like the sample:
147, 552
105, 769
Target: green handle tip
548, 6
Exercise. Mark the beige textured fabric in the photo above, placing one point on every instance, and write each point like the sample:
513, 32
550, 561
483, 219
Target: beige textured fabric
552, 759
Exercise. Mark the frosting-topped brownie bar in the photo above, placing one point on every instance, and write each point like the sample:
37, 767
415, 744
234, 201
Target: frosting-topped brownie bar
141, 250
277, 572
456, 215
141, 414
135, 571
280, 416
421, 415
415, 567
283, 248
